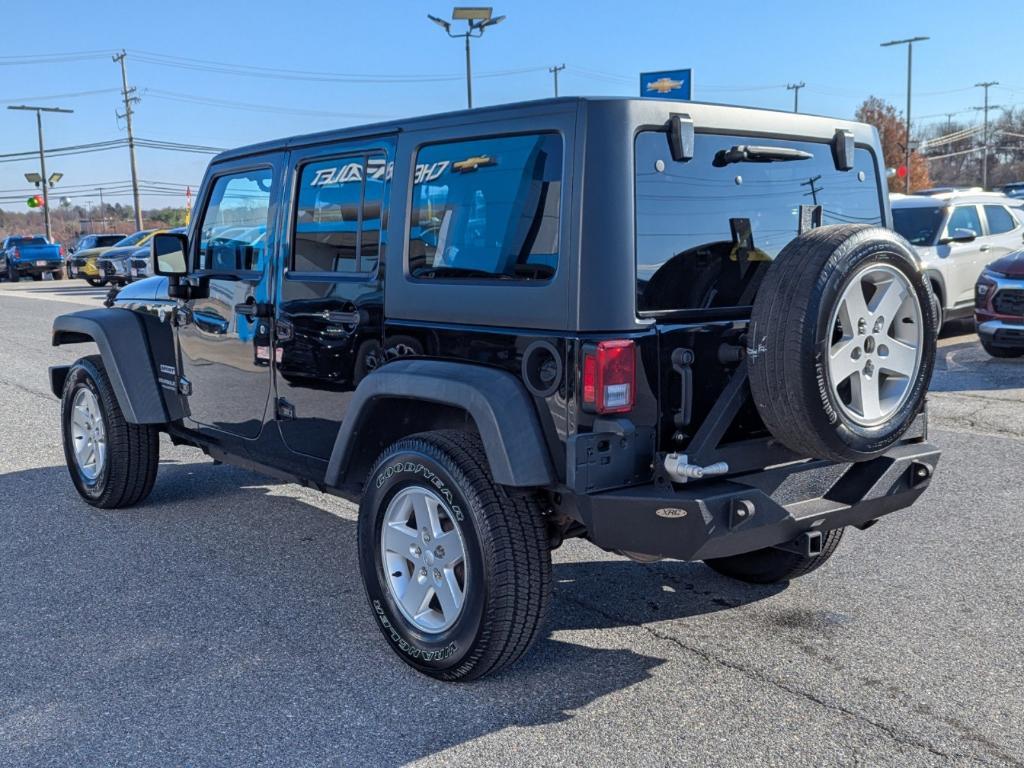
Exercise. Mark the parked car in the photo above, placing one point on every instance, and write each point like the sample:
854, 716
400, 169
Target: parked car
956, 234
30, 255
502, 328
114, 265
999, 306
83, 263
1015, 190
88, 243
140, 263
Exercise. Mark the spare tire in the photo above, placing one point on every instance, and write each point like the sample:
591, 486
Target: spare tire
841, 342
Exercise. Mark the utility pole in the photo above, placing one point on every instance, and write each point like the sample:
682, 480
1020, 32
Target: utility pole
103, 210
986, 108
44, 181
795, 88
909, 42
949, 121
554, 71
129, 99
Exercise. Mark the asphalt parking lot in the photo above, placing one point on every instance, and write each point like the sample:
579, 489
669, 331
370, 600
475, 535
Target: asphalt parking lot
223, 623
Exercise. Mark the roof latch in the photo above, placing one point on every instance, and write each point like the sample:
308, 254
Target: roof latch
843, 149
680, 136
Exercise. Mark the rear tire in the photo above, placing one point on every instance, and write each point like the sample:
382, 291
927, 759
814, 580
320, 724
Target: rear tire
12, 273
95, 282
122, 467
770, 565
474, 611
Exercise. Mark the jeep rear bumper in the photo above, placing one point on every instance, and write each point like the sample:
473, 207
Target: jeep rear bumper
697, 521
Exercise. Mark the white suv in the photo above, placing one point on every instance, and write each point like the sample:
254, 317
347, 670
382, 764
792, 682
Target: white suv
956, 235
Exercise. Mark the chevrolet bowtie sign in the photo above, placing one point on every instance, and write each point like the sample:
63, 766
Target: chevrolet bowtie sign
676, 84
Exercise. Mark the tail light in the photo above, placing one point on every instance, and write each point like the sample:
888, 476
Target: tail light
16, 253
61, 250
609, 376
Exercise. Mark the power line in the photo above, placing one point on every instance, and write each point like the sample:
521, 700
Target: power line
59, 96
249, 107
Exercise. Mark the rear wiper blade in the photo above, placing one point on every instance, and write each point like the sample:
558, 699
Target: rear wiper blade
748, 154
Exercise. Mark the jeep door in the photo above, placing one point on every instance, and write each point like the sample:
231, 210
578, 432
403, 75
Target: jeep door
330, 297
224, 338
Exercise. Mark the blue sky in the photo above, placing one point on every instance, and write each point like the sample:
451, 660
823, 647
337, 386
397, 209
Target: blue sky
741, 52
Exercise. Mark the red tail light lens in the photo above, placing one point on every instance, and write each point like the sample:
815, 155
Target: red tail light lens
16, 253
609, 376
61, 251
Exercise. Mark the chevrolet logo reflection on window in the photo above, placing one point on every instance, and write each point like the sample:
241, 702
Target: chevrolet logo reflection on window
472, 163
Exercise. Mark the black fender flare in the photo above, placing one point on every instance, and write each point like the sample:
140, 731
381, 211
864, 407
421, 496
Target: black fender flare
498, 403
122, 342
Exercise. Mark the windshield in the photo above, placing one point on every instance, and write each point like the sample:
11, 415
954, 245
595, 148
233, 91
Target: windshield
707, 230
135, 239
103, 241
919, 224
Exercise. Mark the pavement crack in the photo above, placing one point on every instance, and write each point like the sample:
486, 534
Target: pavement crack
27, 390
754, 674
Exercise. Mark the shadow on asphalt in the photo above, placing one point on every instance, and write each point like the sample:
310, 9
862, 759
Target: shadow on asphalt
65, 290
222, 622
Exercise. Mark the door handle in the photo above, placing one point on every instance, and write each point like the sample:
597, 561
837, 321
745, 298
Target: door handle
985, 248
253, 309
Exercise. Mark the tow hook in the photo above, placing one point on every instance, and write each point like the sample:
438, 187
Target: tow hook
681, 470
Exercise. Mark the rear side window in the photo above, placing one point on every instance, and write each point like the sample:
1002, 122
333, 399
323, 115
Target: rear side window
706, 231
999, 219
487, 208
338, 220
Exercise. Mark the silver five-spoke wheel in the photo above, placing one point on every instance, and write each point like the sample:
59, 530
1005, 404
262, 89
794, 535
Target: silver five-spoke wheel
88, 434
423, 555
876, 345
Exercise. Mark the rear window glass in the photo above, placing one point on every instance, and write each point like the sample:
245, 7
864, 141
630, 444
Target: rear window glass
102, 241
705, 232
29, 241
487, 208
999, 219
919, 224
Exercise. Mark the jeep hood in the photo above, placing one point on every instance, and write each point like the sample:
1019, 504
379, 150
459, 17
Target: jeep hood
1011, 265
151, 289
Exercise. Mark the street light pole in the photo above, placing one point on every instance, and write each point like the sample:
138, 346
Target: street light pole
909, 42
42, 160
478, 20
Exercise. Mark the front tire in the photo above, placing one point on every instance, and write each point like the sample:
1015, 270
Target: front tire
95, 282
112, 463
1001, 352
770, 565
457, 568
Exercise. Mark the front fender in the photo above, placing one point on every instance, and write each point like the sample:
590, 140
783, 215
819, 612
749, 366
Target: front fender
123, 344
502, 410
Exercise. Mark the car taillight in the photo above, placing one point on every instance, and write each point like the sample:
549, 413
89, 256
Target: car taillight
61, 251
609, 376
16, 253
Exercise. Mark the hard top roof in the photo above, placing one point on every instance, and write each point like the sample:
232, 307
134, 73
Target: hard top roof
822, 124
943, 199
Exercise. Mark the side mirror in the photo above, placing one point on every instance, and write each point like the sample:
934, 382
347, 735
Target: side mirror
168, 251
960, 235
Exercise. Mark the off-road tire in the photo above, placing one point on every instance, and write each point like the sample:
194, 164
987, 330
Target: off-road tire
508, 559
1001, 352
769, 565
789, 338
133, 450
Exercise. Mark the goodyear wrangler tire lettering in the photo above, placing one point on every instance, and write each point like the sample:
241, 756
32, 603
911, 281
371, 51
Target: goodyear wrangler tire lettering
846, 324
493, 545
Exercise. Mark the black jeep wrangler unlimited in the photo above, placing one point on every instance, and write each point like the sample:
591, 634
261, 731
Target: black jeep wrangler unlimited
681, 331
